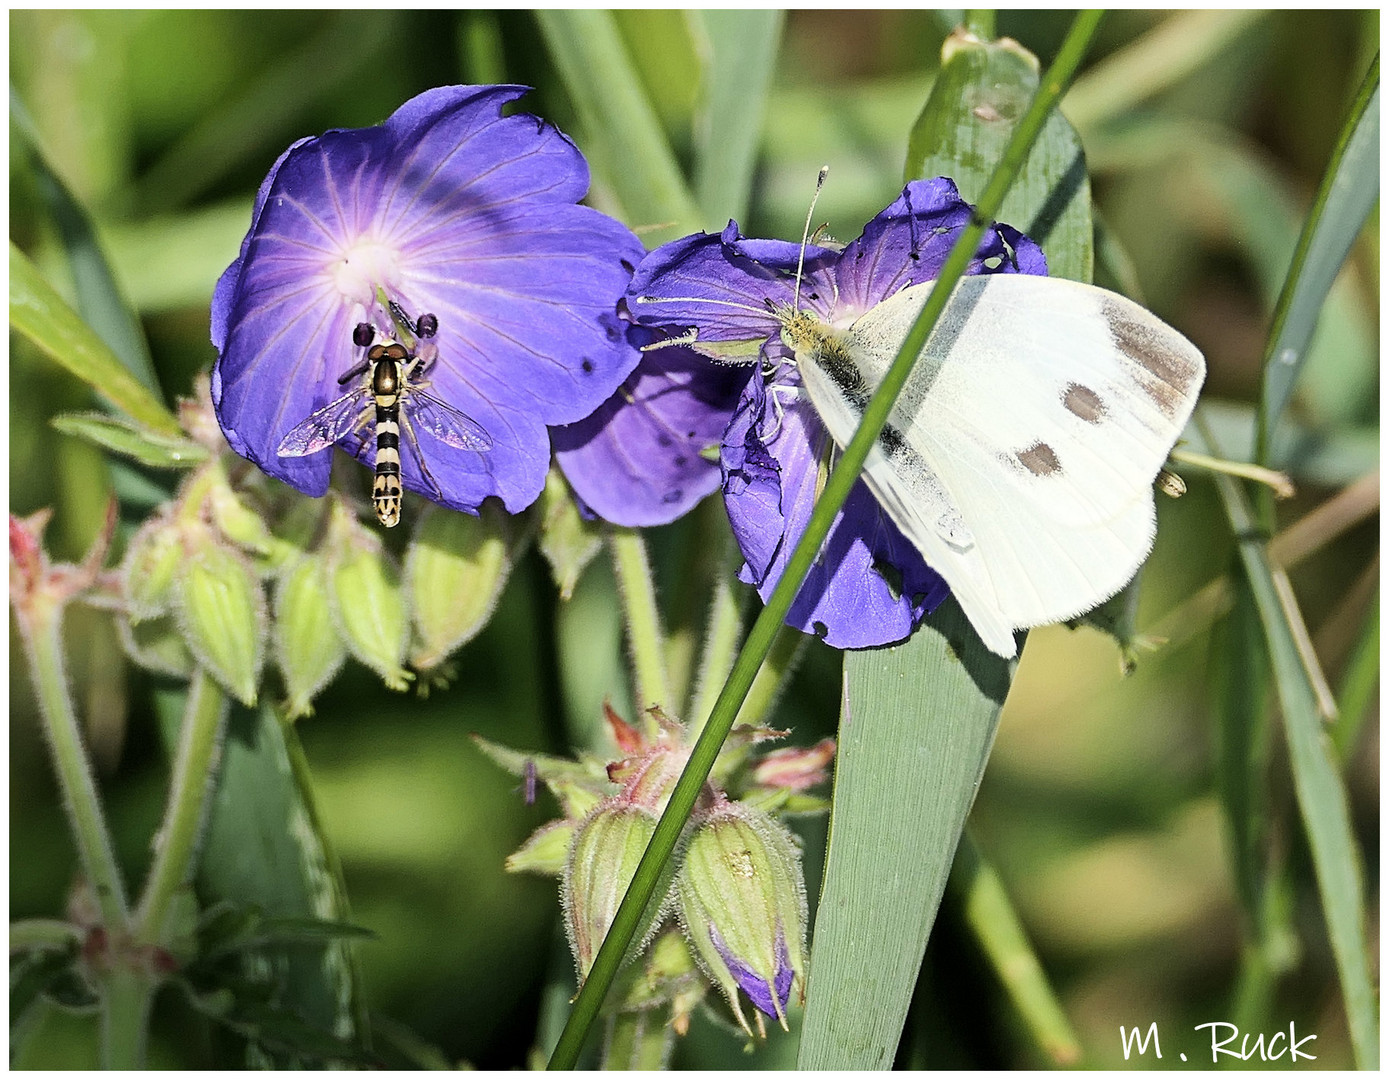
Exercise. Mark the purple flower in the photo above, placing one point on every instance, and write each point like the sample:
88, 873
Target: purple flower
870, 585
447, 209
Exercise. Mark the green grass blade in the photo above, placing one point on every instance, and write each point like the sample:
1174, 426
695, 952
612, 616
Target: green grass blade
1158, 61
623, 138
44, 317
916, 731
1349, 190
892, 843
99, 299
1321, 796
1357, 692
996, 924
728, 125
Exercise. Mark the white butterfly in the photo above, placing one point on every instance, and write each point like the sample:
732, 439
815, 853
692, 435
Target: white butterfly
1020, 457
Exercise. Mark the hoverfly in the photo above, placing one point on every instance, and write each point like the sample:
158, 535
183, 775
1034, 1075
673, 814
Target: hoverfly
393, 385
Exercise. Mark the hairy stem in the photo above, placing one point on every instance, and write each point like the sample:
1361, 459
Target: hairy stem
200, 741
40, 621
644, 633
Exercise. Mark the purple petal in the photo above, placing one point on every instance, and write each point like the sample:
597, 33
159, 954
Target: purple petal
869, 586
640, 459
752, 484
909, 241
720, 284
758, 990
448, 208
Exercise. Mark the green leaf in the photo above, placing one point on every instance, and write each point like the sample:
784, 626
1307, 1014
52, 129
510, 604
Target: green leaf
980, 94
44, 317
623, 139
733, 102
154, 449
919, 718
916, 732
266, 849
99, 298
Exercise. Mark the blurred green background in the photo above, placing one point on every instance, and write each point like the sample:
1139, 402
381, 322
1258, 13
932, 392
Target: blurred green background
1099, 807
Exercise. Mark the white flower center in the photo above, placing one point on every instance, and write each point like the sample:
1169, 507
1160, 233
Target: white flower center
365, 266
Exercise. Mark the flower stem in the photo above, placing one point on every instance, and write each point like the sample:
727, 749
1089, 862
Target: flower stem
773, 675
644, 634
721, 638
40, 621
638, 1040
126, 997
43, 934
198, 750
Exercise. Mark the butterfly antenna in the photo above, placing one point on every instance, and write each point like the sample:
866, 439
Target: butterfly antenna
805, 234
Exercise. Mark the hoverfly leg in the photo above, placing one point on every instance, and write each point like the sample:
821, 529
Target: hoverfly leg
419, 454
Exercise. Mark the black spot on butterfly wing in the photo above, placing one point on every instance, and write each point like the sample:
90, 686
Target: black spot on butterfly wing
1083, 402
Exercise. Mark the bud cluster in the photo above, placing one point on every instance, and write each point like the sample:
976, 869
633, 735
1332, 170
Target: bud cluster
732, 908
238, 571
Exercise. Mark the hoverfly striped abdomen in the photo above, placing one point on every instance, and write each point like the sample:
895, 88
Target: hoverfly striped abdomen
387, 376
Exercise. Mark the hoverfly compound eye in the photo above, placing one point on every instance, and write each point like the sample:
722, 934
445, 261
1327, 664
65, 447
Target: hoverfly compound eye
363, 334
428, 325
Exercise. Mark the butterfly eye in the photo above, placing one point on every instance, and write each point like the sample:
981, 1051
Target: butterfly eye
428, 325
362, 335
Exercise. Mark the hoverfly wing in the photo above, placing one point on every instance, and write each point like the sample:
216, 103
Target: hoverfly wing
325, 427
447, 424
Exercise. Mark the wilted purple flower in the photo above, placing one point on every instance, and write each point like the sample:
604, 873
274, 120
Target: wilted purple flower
870, 585
447, 209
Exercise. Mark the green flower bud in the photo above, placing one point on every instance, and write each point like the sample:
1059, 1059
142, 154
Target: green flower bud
150, 566
221, 611
157, 645
741, 898
456, 568
307, 646
607, 846
367, 603
567, 541
545, 852
237, 521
